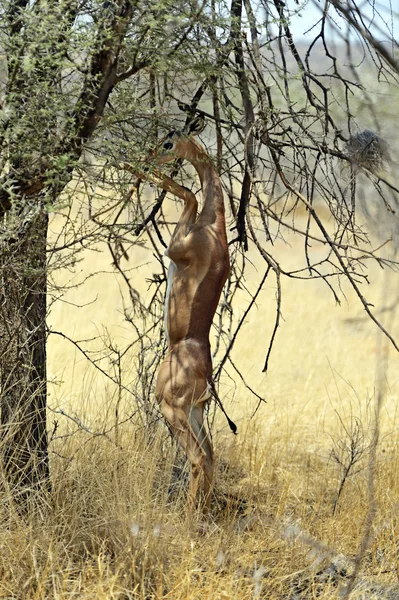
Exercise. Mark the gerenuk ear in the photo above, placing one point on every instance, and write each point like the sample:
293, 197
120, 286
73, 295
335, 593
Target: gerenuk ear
197, 125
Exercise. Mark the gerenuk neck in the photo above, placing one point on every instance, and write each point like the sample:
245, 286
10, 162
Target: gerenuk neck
212, 193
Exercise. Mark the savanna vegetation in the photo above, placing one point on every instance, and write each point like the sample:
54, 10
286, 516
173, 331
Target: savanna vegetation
305, 340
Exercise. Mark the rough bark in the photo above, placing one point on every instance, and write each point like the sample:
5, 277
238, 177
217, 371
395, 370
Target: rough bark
23, 358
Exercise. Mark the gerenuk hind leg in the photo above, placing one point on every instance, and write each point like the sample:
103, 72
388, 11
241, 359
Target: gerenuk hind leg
196, 417
183, 432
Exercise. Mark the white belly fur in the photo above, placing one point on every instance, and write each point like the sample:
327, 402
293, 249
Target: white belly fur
171, 272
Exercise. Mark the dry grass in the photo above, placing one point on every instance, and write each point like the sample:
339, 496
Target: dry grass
115, 526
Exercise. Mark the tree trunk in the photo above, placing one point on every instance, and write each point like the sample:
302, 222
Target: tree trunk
23, 287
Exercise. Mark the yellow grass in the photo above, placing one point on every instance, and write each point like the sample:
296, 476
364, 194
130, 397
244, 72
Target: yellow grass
116, 528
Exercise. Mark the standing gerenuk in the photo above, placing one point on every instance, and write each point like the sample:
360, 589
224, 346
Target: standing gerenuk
198, 270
